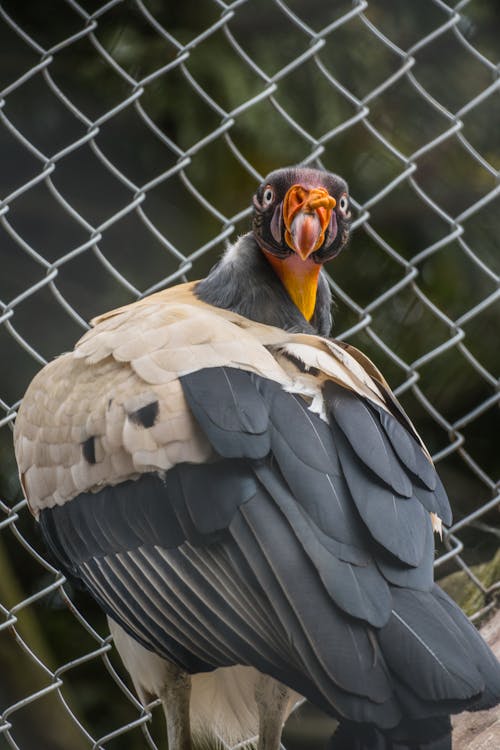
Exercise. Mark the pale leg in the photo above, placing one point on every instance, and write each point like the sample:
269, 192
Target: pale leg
274, 703
175, 697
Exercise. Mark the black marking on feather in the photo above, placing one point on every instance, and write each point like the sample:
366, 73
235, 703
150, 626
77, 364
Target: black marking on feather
300, 365
88, 450
146, 416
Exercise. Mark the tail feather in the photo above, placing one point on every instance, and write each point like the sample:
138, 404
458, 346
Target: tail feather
477, 650
431, 734
425, 649
439, 665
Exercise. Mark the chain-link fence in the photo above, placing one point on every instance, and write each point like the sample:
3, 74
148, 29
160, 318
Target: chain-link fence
131, 137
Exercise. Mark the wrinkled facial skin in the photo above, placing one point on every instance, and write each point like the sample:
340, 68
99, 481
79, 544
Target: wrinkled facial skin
300, 201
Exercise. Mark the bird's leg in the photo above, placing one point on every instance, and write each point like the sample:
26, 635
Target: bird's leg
175, 697
273, 701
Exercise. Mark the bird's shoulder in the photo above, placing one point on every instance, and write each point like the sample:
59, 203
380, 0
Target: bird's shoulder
115, 408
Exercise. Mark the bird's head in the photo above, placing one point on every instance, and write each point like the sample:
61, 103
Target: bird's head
301, 220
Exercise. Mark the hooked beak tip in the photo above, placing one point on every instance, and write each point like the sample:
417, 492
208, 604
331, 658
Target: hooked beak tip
305, 234
306, 215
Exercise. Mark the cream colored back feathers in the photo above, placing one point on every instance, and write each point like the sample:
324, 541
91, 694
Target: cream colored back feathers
80, 425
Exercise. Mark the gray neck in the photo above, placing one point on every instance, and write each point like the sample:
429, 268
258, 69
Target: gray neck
243, 281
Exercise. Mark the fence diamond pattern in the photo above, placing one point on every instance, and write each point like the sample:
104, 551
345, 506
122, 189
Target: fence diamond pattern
84, 227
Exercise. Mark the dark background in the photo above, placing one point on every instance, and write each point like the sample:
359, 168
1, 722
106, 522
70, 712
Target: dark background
82, 143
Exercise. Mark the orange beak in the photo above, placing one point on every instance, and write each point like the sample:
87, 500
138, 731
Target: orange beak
306, 215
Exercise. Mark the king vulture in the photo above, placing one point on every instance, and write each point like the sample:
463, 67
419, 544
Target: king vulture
250, 505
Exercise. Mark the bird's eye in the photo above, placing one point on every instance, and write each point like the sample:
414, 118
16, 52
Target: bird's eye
268, 196
344, 204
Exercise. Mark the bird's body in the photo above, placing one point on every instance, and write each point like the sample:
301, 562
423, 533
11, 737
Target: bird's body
248, 502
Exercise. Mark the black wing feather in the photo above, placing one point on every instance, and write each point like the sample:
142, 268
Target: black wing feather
429, 656
351, 579
361, 428
228, 408
396, 523
294, 551
319, 617
307, 457
315, 659
419, 577
435, 500
483, 658
407, 449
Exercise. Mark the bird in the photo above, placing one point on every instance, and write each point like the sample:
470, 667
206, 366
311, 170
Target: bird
250, 505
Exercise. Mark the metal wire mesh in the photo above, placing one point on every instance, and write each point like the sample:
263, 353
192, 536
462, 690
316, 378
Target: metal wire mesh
87, 222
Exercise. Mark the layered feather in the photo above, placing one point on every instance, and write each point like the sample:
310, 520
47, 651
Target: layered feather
232, 493
80, 427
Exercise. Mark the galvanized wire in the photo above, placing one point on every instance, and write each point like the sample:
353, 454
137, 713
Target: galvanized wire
50, 266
